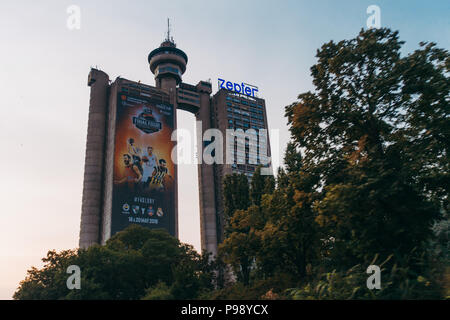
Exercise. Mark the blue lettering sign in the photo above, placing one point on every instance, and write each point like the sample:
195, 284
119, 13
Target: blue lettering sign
238, 88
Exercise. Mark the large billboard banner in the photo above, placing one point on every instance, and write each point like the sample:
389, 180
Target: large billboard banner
144, 185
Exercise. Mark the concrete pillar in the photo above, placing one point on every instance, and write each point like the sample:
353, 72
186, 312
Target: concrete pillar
94, 160
208, 225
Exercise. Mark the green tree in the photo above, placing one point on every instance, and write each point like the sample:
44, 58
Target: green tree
363, 132
290, 235
269, 184
241, 243
47, 283
236, 194
371, 179
257, 186
427, 122
135, 263
292, 158
260, 185
397, 283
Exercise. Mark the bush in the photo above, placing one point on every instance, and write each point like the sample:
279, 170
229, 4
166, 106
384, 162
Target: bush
396, 283
159, 292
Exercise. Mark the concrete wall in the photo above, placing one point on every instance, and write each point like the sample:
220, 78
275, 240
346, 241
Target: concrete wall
207, 205
93, 167
109, 163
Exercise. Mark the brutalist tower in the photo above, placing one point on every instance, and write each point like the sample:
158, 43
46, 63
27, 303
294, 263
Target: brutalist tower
130, 176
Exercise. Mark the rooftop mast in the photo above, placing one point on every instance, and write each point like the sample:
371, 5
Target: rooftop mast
168, 37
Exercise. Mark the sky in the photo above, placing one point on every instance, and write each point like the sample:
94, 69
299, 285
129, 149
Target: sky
45, 97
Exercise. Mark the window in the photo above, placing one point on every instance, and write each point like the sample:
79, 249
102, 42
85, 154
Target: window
168, 69
189, 93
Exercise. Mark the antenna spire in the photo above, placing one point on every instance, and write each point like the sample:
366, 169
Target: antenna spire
168, 29
168, 37
168, 41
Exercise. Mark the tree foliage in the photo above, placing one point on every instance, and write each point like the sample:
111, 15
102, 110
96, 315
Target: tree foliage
135, 263
366, 175
362, 130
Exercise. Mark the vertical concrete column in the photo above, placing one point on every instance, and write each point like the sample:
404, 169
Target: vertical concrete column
208, 225
168, 84
108, 160
173, 100
94, 160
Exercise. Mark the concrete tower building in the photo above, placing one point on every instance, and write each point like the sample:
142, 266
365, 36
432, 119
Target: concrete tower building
127, 117
94, 160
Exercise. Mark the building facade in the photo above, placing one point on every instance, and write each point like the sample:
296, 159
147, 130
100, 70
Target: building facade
129, 130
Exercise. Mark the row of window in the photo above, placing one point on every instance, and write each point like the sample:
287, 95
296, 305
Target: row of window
241, 151
253, 110
241, 160
230, 126
168, 69
188, 93
233, 116
252, 146
245, 123
253, 143
244, 113
247, 166
252, 126
253, 153
254, 133
195, 101
243, 167
248, 174
253, 156
244, 102
244, 126
253, 119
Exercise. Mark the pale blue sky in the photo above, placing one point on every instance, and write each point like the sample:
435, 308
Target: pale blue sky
44, 105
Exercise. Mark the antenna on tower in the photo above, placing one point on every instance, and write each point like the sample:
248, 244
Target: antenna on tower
168, 29
168, 37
